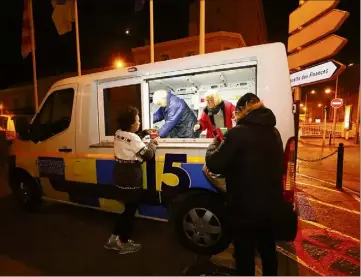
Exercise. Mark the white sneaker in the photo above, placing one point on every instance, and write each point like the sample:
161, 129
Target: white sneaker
129, 247
113, 243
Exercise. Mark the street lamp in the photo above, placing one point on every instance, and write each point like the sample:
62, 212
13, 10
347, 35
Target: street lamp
327, 91
312, 92
118, 63
319, 105
301, 105
127, 31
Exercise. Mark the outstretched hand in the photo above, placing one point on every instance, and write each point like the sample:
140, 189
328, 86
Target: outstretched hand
217, 140
155, 140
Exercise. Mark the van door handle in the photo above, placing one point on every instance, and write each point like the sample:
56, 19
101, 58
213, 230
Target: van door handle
65, 149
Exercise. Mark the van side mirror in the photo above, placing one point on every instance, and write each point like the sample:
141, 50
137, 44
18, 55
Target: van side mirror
23, 131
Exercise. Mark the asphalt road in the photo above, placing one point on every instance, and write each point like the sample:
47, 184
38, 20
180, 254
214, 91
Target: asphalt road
61, 239
67, 240
310, 149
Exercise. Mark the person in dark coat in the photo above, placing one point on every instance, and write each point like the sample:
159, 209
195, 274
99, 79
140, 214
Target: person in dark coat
179, 118
129, 153
251, 159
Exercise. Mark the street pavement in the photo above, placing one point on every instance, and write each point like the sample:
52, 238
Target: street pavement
66, 240
311, 149
330, 218
328, 239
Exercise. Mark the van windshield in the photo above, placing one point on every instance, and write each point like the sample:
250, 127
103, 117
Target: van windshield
3, 123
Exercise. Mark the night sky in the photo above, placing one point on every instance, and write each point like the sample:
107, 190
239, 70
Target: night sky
102, 33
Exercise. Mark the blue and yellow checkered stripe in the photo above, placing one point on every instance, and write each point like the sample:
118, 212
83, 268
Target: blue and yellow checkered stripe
99, 169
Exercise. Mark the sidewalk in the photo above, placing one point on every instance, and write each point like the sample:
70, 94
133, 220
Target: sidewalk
328, 239
317, 142
311, 149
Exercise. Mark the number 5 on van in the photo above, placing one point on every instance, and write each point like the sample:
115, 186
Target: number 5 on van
171, 171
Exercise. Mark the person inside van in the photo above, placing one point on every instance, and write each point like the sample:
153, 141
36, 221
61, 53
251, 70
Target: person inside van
217, 114
251, 159
129, 152
178, 116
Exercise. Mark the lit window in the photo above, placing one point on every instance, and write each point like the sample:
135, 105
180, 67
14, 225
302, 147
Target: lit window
191, 88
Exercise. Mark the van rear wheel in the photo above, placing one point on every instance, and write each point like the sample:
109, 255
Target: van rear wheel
199, 224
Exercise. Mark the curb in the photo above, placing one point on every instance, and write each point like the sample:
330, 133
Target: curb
350, 191
326, 145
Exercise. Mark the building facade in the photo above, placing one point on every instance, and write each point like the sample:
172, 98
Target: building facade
245, 17
20, 99
188, 46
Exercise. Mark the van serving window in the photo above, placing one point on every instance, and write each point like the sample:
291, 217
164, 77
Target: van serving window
184, 100
115, 100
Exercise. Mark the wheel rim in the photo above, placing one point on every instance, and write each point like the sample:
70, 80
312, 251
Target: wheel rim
24, 193
202, 227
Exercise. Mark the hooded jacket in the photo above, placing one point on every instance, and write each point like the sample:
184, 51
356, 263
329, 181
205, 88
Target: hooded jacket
251, 159
179, 119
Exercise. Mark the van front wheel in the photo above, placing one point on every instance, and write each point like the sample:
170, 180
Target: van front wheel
199, 223
26, 191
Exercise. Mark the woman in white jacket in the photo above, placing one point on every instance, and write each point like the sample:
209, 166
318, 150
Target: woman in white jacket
129, 152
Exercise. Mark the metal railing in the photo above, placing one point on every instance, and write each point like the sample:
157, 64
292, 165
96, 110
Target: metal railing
340, 162
317, 129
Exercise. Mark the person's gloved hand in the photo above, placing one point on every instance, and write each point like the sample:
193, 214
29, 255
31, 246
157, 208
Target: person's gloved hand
216, 141
196, 127
153, 130
155, 140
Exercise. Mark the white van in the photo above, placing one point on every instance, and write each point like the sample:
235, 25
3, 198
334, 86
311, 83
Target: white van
66, 153
7, 126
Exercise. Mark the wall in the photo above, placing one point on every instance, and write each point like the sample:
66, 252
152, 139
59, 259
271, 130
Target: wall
189, 46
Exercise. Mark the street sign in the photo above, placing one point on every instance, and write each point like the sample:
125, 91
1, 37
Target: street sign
317, 51
336, 103
309, 11
317, 74
324, 26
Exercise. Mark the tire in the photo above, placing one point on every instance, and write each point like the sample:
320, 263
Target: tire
26, 190
199, 223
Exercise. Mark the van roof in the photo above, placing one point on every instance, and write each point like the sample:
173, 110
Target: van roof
209, 59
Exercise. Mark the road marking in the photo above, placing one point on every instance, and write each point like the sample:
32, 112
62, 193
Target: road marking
320, 187
354, 194
328, 229
357, 198
330, 205
297, 259
316, 179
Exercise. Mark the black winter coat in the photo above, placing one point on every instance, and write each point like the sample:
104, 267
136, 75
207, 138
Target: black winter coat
251, 159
